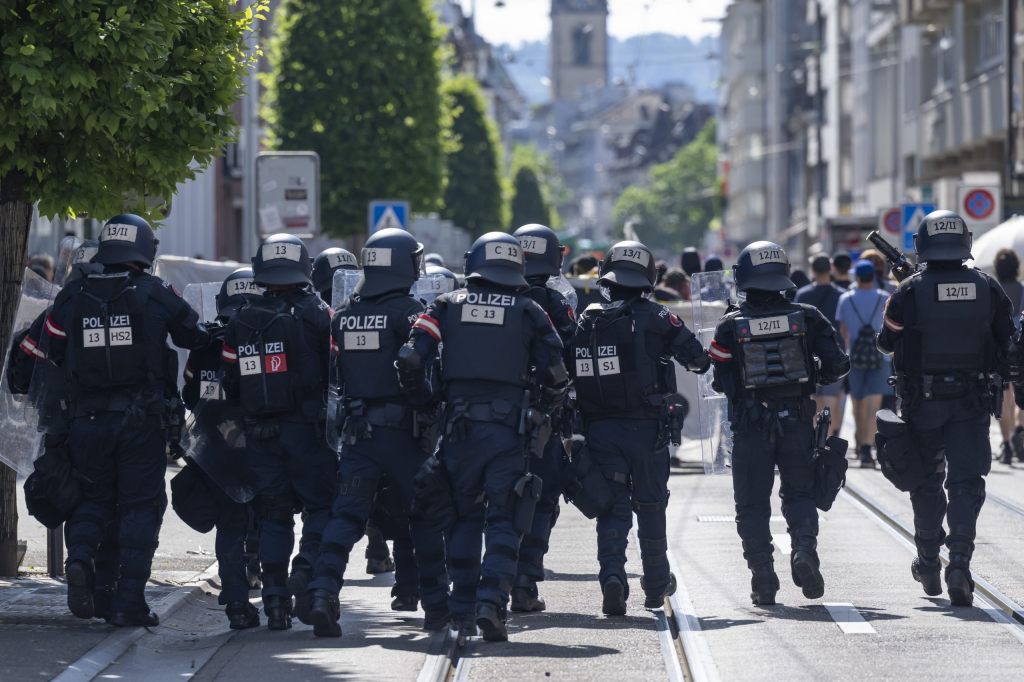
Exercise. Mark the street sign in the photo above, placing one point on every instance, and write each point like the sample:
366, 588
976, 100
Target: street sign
981, 206
288, 193
385, 213
890, 221
913, 214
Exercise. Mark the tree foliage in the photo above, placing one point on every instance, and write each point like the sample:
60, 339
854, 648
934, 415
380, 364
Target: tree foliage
104, 104
474, 196
679, 202
358, 82
550, 184
528, 204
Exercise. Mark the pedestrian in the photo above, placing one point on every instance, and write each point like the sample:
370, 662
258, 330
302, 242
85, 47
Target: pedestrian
276, 355
42, 265
491, 339
624, 379
824, 295
841, 264
109, 333
860, 320
713, 264
379, 430
674, 286
543, 260
689, 261
772, 414
882, 279
800, 278
947, 327
1011, 421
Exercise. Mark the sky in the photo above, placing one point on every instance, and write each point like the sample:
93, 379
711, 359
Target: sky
523, 20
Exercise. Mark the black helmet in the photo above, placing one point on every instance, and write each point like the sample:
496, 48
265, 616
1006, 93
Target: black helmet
126, 238
541, 249
434, 259
432, 269
327, 262
81, 261
629, 264
238, 287
690, 260
391, 260
281, 259
763, 266
496, 257
943, 235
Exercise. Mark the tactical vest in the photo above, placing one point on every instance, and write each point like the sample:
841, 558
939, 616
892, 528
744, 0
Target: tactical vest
615, 371
951, 329
367, 337
270, 356
773, 354
485, 337
208, 374
111, 344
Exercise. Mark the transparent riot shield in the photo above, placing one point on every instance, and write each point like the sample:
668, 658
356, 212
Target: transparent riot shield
345, 282
21, 423
215, 440
560, 284
712, 293
431, 285
202, 296
73, 251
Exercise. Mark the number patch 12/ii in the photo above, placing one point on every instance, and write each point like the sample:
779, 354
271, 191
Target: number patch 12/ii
958, 291
768, 326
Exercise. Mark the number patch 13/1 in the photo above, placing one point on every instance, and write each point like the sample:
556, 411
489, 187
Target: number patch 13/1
483, 314
362, 340
958, 291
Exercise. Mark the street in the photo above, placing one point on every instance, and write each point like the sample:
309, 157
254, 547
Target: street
874, 622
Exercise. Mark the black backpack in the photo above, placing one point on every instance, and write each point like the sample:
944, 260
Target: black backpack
268, 342
863, 352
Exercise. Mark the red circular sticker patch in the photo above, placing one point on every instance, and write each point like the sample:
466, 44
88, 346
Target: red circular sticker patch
674, 319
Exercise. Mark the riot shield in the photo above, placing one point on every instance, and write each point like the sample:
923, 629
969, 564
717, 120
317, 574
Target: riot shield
215, 440
202, 296
712, 293
21, 425
431, 285
560, 284
345, 282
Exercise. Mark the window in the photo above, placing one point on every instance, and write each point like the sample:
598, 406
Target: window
983, 35
582, 37
939, 64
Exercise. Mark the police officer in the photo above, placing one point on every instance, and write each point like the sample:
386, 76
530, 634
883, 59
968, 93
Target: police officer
765, 354
203, 383
620, 360
948, 328
325, 265
276, 355
543, 260
491, 339
379, 429
108, 331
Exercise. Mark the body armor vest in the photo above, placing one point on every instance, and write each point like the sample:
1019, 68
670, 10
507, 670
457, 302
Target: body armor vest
368, 337
485, 337
271, 354
773, 354
952, 326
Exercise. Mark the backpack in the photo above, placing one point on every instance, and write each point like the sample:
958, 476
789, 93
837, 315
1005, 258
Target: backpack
863, 353
268, 339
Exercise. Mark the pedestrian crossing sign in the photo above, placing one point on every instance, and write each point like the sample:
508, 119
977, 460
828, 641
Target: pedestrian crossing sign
913, 214
388, 213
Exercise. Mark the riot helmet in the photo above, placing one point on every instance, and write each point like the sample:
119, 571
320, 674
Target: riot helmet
453, 281
541, 250
763, 266
434, 259
281, 259
126, 238
391, 260
496, 257
690, 261
629, 264
943, 235
238, 287
327, 262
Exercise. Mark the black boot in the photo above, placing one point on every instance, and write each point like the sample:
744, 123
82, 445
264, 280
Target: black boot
614, 593
404, 602
436, 619
525, 598
298, 586
1007, 453
141, 618
103, 600
656, 600
958, 580
325, 613
491, 621
279, 613
465, 624
242, 615
804, 560
80, 589
866, 460
926, 565
764, 584
1017, 442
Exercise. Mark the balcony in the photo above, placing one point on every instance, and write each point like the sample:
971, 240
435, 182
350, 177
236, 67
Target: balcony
925, 12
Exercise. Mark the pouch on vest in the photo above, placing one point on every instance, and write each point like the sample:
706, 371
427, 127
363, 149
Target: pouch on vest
269, 339
773, 354
108, 344
898, 454
613, 372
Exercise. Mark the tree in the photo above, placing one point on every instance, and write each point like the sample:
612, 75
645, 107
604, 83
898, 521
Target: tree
552, 188
104, 108
679, 203
358, 82
528, 204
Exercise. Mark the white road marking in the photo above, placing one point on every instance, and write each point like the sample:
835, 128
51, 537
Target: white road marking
848, 618
668, 647
698, 654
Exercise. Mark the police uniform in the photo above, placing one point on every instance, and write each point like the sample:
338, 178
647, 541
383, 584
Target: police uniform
379, 427
621, 363
109, 331
764, 357
948, 327
276, 356
491, 337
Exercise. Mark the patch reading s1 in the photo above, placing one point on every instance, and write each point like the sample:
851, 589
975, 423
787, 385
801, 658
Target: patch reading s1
503, 251
376, 257
533, 244
767, 326
121, 232
762, 256
958, 291
280, 250
945, 226
631, 254
483, 314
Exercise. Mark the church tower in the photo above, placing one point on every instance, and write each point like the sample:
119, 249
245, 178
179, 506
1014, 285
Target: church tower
579, 47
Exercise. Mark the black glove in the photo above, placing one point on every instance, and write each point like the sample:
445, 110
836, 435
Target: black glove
699, 364
262, 429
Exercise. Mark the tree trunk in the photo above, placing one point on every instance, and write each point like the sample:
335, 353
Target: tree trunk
15, 221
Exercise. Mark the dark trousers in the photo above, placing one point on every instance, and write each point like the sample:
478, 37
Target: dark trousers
954, 443
754, 457
124, 462
229, 544
488, 459
395, 453
637, 465
535, 543
295, 469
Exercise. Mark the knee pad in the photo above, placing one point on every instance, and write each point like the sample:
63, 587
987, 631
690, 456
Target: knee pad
658, 545
358, 487
971, 488
139, 528
649, 507
276, 509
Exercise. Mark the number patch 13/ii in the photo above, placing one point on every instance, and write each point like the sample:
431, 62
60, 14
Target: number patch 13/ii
958, 291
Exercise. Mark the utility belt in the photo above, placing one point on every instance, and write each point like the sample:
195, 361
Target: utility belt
134, 404
767, 416
359, 417
459, 411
